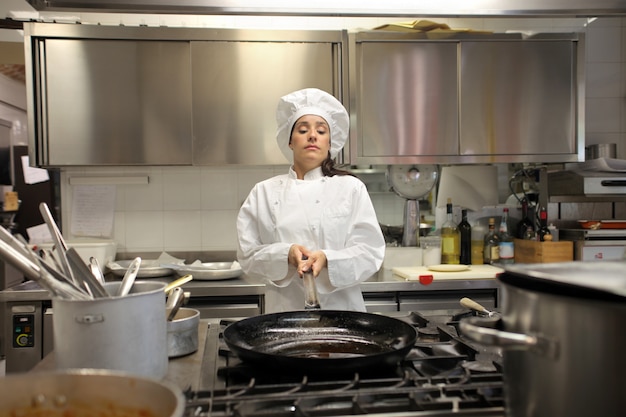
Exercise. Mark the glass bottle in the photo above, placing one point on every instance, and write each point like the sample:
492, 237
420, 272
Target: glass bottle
450, 239
506, 245
543, 230
491, 251
530, 234
526, 222
466, 239
478, 243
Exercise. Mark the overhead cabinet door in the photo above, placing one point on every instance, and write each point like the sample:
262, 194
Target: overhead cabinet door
113, 102
518, 98
407, 99
236, 87
466, 99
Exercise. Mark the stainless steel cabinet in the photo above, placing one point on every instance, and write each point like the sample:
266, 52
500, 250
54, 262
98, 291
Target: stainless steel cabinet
112, 102
466, 99
237, 84
169, 96
407, 99
518, 98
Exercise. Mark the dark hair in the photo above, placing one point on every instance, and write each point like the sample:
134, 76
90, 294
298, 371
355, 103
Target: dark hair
329, 169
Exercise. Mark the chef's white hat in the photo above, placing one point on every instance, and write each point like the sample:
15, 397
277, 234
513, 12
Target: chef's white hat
311, 101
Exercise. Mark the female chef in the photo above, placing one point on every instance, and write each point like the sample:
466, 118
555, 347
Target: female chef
313, 217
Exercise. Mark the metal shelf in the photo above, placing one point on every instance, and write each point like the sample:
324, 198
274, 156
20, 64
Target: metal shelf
585, 199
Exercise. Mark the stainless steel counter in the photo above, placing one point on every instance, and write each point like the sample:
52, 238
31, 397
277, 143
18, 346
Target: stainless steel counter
30, 290
401, 286
220, 288
241, 297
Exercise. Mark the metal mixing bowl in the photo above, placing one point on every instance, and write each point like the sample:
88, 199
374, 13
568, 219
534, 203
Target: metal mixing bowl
93, 388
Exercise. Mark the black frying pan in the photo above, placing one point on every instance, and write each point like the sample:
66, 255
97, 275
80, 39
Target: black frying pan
320, 340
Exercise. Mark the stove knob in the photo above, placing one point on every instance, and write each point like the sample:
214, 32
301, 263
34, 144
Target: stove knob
22, 340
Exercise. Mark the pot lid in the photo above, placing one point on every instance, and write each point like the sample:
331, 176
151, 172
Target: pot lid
603, 280
412, 181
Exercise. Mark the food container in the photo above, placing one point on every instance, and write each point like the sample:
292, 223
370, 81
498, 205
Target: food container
126, 333
182, 333
600, 150
431, 250
563, 340
69, 393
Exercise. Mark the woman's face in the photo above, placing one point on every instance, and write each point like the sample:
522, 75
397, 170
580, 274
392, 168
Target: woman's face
310, 140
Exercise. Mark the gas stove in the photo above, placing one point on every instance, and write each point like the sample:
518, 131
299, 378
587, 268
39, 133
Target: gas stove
443, 375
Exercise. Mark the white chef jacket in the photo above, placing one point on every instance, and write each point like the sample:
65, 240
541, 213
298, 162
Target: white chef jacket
333, 214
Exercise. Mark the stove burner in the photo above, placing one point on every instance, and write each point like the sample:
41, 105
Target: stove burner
480, 366
442, 375
427, 333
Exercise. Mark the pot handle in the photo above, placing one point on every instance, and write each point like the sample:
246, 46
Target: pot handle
485, 331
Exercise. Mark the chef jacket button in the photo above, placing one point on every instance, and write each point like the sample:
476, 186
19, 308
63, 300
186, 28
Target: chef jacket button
317, 201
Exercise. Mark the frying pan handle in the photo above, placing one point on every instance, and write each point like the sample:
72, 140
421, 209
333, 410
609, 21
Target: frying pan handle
311, 301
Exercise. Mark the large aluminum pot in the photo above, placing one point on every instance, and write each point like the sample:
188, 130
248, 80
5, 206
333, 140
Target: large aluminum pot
101, 390
126, 333
563, 337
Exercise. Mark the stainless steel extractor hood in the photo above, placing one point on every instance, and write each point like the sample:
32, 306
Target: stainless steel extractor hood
355, 8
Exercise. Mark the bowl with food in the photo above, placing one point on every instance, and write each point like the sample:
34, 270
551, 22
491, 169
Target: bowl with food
88, 392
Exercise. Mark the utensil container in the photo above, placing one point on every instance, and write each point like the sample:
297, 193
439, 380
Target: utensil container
182, 332
119, 333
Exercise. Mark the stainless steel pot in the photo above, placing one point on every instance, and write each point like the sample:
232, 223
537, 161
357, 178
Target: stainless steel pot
126, 333
95, 389
601, 150
563, 339
182, 332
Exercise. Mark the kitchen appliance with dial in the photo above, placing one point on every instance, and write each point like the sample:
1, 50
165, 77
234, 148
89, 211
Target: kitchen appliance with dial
412, 182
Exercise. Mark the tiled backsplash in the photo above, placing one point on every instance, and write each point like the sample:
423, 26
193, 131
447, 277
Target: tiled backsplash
189, 208
194, 208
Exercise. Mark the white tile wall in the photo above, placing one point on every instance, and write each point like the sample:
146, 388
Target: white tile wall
194, 208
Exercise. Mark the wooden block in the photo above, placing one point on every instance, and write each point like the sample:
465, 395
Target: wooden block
11, 202
530, 251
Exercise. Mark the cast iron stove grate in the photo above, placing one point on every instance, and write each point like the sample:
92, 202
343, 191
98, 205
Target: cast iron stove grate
442, 376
